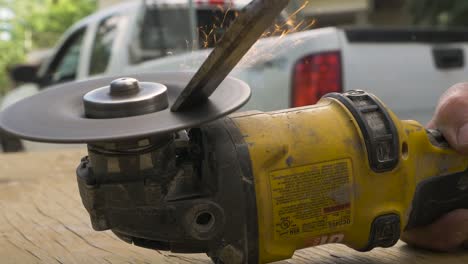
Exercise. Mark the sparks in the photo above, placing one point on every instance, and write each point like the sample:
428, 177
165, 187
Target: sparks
209, 36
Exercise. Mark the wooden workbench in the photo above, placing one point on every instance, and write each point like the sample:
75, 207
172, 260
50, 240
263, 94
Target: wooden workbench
43, 221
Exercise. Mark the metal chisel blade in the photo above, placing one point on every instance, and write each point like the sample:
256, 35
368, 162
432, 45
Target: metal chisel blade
239, 38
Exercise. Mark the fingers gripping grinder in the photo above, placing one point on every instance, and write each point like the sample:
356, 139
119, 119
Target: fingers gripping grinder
250, 187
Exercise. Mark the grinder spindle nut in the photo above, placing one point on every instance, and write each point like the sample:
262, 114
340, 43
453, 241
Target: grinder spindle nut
125, 97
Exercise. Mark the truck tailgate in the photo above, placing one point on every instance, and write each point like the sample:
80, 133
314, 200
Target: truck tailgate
407, 69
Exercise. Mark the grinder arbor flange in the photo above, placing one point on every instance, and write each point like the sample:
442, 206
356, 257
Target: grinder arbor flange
58, 114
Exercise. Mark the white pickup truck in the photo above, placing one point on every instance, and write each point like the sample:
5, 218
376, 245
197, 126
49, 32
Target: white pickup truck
408, 69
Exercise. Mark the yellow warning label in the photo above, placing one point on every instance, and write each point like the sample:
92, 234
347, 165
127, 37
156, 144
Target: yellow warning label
313, 199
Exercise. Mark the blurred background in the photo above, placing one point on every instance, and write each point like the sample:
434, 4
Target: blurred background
407, 52
29, 28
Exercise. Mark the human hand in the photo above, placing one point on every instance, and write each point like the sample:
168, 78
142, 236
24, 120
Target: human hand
450, 232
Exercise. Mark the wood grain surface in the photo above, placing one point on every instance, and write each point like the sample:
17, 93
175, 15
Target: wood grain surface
42, 220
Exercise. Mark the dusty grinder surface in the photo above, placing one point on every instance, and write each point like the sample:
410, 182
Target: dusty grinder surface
58, 114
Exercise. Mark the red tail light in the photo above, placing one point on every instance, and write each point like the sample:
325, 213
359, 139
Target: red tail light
315, 76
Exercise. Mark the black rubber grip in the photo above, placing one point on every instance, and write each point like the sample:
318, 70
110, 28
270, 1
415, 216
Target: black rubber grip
377, 128
438, 196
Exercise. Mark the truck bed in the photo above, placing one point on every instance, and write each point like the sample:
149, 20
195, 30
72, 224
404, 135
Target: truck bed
407, 68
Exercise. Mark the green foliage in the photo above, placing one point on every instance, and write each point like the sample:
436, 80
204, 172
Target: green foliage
9, 54
48, 24
446, 13
37, 24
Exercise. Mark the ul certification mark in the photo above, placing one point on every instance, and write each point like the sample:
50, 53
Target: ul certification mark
285, 227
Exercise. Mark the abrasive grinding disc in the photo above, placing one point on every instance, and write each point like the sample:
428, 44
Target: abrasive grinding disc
58, 115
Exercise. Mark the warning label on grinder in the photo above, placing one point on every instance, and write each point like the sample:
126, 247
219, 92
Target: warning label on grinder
311, 199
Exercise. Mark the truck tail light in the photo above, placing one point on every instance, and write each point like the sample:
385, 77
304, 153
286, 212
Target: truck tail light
315, 76
217, 2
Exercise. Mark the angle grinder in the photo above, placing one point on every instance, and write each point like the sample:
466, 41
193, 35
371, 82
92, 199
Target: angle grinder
168, 168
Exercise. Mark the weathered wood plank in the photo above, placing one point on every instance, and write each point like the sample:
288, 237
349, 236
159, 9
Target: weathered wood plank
42, 220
